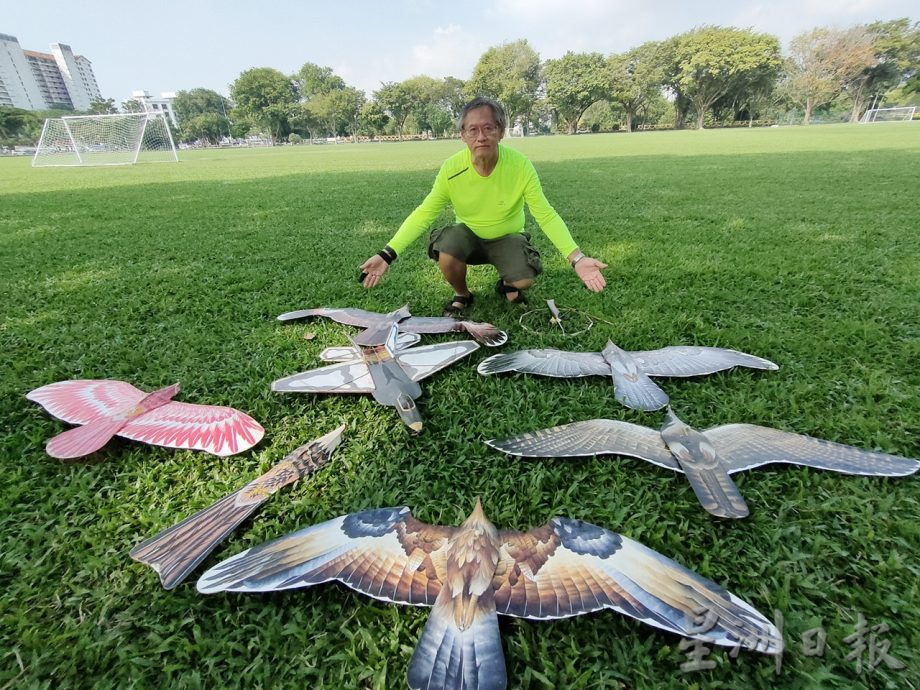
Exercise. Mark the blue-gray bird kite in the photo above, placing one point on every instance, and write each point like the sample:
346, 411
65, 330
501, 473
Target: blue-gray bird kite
707, 458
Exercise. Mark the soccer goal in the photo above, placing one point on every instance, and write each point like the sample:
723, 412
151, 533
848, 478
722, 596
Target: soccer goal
904, 114
120, 139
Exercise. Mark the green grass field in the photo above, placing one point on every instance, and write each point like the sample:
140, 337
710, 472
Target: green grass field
799, 245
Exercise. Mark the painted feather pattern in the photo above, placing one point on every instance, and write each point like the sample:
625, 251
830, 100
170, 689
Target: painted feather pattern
177, 550
629, 371
707, 458
472, 573
106, 408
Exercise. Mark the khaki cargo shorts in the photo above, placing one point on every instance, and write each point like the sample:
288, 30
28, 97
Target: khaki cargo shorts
513, 255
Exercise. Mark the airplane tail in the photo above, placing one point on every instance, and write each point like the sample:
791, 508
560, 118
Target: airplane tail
408, 412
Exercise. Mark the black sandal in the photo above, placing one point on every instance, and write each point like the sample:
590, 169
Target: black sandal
505, 290
452, 308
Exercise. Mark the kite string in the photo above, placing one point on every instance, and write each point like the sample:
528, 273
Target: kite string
590, 318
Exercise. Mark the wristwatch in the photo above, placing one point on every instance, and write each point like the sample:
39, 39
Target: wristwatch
578, 257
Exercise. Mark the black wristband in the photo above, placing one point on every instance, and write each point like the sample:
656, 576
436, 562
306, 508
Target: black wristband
387, 254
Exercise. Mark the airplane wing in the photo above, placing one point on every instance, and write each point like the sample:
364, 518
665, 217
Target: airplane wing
346, 377
348, 353
422, 362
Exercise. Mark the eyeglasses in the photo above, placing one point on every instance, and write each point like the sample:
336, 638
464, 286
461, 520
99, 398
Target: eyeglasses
473, 132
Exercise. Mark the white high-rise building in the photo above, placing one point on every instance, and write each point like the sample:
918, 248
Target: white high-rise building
37, 81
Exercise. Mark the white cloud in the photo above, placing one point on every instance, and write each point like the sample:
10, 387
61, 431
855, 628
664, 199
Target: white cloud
448, 52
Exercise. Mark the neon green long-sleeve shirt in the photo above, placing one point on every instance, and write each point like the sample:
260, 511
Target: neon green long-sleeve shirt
490, 206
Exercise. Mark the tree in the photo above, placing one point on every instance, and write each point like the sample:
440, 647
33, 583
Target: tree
313, 80
896, 45
266, 96
820, 62
636, 78
102, 106
349, 102
189, 104
574, 82
431, 103
455, 96
396, 101
17, 125
372, 119
912, 85
337, 111
132, 105
303, 118
710, 62
209, 127
509, 73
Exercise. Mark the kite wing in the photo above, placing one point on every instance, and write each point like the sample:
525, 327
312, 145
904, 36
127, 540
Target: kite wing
218, 430
745, 446
548, 362
485, 333
592, 437
350, 317
422, 362
384, 553
569, 567
346, 377
681, 361
85, 401
177, 550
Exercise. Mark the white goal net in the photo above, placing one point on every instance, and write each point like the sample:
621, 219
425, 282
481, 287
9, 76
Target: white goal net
889, 114
105, 140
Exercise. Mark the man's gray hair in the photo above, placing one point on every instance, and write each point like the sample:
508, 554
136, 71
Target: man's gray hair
498, 113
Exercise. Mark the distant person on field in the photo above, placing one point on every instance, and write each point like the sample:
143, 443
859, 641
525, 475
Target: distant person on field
487, 185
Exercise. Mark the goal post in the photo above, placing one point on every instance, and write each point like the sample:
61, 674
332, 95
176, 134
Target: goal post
120, 139
902, 114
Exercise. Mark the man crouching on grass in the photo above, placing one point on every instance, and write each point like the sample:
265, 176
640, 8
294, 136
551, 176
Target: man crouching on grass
487, 185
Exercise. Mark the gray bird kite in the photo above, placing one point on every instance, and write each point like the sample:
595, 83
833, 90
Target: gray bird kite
377, 326
390, 372
630, 371
472, 573
707, 458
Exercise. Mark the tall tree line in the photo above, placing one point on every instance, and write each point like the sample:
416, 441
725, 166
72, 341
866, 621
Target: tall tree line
707, 75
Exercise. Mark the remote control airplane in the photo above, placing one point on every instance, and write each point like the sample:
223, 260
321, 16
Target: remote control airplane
390, 372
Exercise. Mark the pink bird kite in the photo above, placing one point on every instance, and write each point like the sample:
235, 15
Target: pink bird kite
105, 408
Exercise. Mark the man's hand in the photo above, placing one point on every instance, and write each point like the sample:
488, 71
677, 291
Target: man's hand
589, 270
374, 267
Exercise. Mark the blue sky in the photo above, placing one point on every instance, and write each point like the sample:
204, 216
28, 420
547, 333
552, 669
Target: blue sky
167, 45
